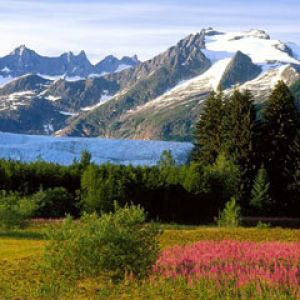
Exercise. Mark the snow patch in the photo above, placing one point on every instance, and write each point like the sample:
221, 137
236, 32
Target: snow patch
256, 44
201, 84
68, 113
122, 67
295, 48
104, 98
52, 98
96, 75
48, 128
6, 70
63, 76
5, 80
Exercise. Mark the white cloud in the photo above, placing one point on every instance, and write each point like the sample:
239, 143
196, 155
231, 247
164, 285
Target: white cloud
127, 27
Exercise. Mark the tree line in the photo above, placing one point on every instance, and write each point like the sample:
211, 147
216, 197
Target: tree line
242, 149
262, 141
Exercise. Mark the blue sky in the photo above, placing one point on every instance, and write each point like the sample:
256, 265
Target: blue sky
145, 28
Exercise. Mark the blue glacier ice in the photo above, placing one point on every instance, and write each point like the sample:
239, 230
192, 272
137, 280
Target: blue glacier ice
63, 150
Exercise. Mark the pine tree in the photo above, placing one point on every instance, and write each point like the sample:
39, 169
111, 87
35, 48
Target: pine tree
208, 135
292, 173
166, 160
260, 198
239, 122
281, 124
231, 215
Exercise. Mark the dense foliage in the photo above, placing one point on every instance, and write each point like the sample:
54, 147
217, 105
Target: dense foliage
114, 245
15, 210
262, 143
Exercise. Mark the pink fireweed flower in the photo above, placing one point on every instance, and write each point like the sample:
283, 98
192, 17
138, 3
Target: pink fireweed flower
273, 263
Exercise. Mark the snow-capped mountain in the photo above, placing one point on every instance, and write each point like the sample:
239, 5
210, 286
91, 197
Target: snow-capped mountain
248, 59
157, 99
23, 60
65, 150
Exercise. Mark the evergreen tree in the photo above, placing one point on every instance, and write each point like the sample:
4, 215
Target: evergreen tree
166, 160
292, 173
260, 198
231, 215
85, 159
222, 180
208, 134
281, 124
239, 122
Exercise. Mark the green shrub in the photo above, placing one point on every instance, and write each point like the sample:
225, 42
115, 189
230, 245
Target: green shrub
222, 177
54, 202
114, 244
262, 225
230, 216
99, 191
14, 210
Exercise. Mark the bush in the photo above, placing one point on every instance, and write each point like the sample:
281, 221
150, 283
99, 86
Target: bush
53, 203
230, 216
100, 188
113, 244
14, 210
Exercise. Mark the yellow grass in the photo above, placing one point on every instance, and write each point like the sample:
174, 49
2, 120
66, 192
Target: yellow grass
12, 249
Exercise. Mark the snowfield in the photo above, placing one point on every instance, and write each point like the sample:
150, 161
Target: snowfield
254, 43
64, 150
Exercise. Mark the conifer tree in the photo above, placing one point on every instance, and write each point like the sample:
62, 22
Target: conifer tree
292, 173
239, 122
166, 160
281, 124
260, 198
231, 215
208, 135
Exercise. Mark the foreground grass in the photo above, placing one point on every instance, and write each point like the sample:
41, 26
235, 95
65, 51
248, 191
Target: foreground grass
20, 252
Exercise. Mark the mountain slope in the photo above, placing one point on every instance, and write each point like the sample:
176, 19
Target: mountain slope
239, 70
143, 83
158, 99
137, 113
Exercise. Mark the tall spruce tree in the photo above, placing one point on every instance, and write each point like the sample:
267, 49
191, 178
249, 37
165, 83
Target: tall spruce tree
260, 200
281, 124
209, 130
292, 173
239, 121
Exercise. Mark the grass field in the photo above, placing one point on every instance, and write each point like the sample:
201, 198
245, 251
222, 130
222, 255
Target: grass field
20, 252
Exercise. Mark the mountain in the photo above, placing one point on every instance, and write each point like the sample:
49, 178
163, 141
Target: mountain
23, 61
240, 70
142, 84
65, 150
157, 99
249, 60
111, 64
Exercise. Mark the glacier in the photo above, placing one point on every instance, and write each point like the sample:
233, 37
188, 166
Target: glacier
64, 150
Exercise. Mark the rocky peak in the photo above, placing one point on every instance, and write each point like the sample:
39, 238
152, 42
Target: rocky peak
257, 33
239, 70
109, 59
130, 61
82, 54
193, 40
211, 32
21, 51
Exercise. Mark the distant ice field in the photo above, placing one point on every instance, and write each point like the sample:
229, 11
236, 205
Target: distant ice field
64, 150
